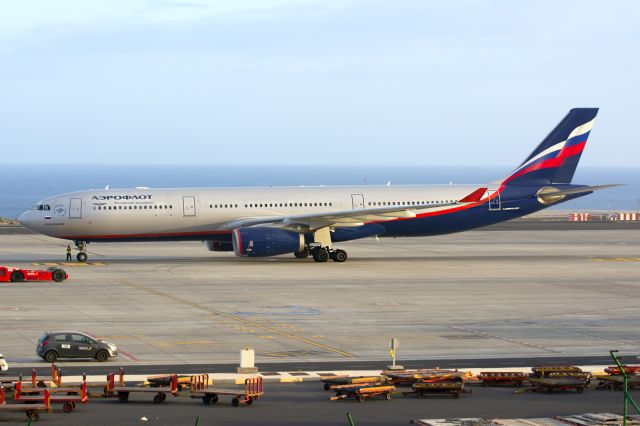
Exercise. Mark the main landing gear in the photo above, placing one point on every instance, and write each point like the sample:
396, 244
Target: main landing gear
321, 249
322, 254
82, 256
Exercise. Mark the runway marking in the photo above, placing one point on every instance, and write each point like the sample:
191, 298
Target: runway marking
616, 259
519, 342
127, 355
237, 319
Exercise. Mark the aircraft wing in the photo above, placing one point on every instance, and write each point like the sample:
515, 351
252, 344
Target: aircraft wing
346, 218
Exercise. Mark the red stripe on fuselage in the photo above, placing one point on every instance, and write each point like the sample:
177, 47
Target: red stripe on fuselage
158, 235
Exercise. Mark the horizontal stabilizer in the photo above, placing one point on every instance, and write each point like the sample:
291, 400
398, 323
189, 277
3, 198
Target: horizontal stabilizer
549, 195
474, 197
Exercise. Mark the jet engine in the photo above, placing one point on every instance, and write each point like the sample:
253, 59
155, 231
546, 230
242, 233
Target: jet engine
218, 246
261, 242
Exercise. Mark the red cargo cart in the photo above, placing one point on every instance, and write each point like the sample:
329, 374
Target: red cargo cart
31, 410
122, 391
68, 401
200, 388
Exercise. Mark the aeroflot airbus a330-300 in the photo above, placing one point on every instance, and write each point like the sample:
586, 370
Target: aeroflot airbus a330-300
305, 221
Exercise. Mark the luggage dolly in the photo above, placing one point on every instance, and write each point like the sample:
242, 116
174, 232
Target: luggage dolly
452, 389
331, 381
362, 392
69, 390
200, 389
505, 378
68, 401
31, 410
550, 384
35, 381
122, 391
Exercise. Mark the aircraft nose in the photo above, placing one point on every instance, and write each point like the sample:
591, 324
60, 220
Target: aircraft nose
26, 219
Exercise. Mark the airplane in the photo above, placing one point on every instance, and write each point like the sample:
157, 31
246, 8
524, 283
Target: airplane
271, 221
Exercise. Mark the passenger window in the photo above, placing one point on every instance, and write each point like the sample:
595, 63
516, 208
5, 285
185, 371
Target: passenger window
60, 338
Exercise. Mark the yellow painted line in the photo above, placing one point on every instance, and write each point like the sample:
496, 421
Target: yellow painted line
290, 379
237, 319
616, 259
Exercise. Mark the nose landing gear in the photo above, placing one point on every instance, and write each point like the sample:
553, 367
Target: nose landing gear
82, 255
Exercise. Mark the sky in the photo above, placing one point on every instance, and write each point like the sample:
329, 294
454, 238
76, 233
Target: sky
313, 82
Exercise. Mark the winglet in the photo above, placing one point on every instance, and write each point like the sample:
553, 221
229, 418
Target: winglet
474, 197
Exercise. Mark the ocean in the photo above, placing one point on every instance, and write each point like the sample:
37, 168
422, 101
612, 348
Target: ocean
21, 186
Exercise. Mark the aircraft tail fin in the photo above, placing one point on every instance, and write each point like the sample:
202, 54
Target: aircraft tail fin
556, 158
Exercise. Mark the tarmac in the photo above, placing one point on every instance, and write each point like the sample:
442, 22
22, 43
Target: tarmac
523, 291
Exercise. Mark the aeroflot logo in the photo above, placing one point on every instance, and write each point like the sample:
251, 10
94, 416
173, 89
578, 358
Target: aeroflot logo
121, 197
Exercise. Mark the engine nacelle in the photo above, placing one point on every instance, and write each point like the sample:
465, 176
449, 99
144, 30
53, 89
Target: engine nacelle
261, 242
218, 246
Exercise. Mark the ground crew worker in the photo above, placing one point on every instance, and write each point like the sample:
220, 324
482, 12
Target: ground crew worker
68, 253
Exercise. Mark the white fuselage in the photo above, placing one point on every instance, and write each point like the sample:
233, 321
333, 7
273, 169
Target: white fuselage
185, 212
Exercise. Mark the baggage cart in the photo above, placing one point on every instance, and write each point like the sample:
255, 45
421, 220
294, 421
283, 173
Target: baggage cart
200, 388
31, 410
551, 384
616, 382
362, 392
629, 369
122, 391
545, 370
330, 381
504, 378
36, 381
453, 389
68, 401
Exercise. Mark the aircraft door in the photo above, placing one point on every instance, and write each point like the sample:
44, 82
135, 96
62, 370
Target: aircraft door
75, 208
189, 205
494, 200
357, 200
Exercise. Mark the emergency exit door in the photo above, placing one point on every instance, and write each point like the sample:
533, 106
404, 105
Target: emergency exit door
494, 200
75, 208
189, 206
357, 200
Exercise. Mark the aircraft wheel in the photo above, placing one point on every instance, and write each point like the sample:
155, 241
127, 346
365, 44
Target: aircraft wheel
339, 256
321, 255
302, 254
82, 257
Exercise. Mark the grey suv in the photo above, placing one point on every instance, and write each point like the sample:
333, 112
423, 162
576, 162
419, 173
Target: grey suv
73, 344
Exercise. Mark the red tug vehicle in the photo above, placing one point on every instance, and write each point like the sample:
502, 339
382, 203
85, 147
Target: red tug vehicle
9, 274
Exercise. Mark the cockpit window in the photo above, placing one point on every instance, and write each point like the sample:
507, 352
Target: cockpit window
46, 207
